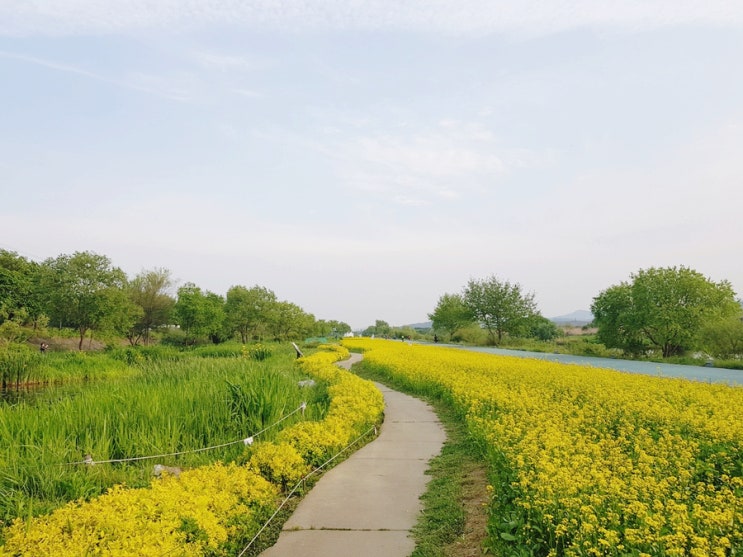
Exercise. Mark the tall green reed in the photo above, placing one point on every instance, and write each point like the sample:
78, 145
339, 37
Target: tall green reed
169, 406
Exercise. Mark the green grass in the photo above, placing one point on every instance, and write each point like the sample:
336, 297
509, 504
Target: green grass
162, 406
21, 366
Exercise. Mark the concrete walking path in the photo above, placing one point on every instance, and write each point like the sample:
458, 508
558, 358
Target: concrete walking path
367, 505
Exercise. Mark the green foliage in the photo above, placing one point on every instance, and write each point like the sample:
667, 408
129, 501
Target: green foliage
471, 334
148, 291
224, 350
16, 364
20, 299
249, 310
200, 314
259, 352
541, 328
165, 405
178, 338
332, 328
450, 314
501, 307
723, 338
85, 292
661, 308
12, 332
380, 328
290, 322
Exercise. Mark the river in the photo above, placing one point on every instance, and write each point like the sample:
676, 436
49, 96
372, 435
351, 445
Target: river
693, 373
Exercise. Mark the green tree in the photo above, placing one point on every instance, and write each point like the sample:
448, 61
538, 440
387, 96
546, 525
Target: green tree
200, 314
541, 328
85, 292
149, 291
450, 314
331, 328
499, 306
662, 308
339, 328
20, 300
723, 338
380, 328
249, 310
614, 315
289, 321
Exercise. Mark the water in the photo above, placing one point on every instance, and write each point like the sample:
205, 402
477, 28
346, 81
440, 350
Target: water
693, 373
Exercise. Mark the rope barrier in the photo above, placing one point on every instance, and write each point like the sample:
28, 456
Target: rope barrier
301, 482
246, 441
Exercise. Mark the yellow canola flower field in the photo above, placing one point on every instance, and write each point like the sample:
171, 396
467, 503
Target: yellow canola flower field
201, 510
587, 461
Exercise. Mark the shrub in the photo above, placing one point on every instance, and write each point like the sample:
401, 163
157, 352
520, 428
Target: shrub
279, 463
259, 352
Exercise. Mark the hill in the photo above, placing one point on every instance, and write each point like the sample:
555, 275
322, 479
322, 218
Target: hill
578, 318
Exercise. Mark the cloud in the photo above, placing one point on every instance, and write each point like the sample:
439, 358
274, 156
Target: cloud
530, 17
421, 166
229, 63
174, 87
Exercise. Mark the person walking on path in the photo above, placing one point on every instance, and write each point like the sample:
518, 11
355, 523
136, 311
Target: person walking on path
367, 505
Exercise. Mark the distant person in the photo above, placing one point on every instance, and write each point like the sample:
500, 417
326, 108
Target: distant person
435, 338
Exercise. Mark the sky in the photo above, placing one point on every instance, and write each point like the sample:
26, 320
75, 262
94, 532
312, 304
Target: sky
363, 158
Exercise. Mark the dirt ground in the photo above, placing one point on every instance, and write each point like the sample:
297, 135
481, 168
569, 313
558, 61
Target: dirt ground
59, 344
475, 502
579, 331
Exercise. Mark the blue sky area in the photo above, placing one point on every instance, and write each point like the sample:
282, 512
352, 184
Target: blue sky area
363, 158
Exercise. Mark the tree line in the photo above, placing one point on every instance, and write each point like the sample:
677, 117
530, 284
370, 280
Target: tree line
86, 292
668, 311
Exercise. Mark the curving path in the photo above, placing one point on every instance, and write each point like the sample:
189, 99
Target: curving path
367, 505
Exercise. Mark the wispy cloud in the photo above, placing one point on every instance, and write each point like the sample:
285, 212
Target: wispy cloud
159, 85
444, 162
229, 63
438, 16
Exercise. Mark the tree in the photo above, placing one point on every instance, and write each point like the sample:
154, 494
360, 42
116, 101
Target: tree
450, 314
200, 314
541, 328
380, 328
149, 291
20, 301
662, 308
289, 321
249, 310
332, 328
85, 292
339, 328
723, 338
614, 316
499, 306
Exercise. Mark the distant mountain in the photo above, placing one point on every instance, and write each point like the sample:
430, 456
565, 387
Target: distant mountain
424, 325
578, 317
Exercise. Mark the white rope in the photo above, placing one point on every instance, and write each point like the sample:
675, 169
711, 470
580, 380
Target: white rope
246, 441
304, 479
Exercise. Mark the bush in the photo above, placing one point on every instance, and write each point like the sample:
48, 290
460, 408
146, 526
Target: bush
278, 463
259, 352
227, 350
472, 334
174, 337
